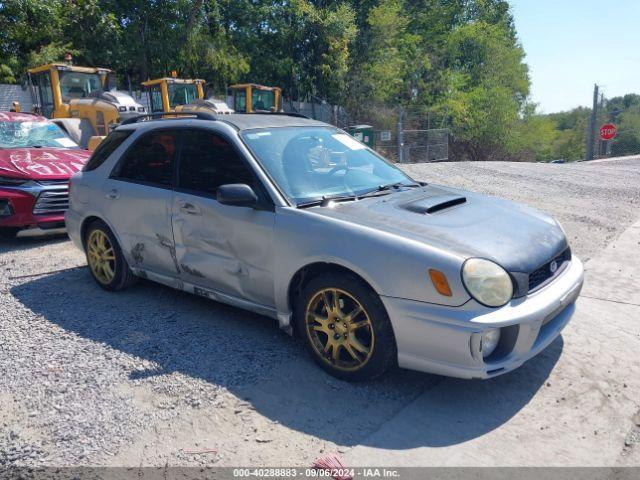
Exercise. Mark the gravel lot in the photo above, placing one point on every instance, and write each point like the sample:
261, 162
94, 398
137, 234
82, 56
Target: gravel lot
153, 376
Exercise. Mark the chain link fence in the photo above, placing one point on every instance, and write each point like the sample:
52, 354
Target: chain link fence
405, 136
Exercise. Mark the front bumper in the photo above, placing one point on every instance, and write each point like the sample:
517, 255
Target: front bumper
444, 340
22, 203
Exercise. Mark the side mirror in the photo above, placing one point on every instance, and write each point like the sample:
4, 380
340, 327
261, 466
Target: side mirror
236, 195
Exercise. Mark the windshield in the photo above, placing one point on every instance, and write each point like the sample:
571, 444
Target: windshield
79, 85
312, 163
33, 134
182, 94
262, 99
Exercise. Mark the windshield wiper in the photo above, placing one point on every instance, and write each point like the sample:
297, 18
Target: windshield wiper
325, 200
378, 191
387, 189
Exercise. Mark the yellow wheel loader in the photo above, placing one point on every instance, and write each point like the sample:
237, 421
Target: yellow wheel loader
178, 94
251, 97
81, 100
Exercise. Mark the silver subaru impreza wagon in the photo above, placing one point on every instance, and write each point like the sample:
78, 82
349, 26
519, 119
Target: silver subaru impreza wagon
296, 220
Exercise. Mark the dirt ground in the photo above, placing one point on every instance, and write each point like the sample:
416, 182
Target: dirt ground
154, 377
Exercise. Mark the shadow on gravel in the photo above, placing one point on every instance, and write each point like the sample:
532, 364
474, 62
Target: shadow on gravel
214, 346
33, 240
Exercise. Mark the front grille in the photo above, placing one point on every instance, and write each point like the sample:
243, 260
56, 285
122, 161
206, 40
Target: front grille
62, 183
52, 201
542, 275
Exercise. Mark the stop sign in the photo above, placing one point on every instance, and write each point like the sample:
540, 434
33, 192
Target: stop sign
608, 131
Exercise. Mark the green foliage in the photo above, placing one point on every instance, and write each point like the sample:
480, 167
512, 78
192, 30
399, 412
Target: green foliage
489, 84
533, 137
625, 113
322, 43
51, 52
457, 60
394, 60
568, 141
6, 74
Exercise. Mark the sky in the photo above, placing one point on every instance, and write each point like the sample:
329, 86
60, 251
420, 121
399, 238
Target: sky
573, 44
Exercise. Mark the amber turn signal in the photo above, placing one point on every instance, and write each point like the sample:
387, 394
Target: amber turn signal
439, 281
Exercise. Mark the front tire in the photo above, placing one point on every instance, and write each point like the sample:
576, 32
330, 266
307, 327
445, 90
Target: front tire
106, 262
345, 327
8, 233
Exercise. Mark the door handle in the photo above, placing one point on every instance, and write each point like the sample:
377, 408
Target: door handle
189, 209
113, 194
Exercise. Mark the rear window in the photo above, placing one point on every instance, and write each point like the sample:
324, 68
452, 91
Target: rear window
106, 148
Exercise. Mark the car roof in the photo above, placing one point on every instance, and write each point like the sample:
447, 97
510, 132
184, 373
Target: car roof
247, 121
20, 117
239, 121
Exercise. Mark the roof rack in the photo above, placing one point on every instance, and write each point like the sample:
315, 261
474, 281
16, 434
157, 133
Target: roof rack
292, 114
200, 115
265, 112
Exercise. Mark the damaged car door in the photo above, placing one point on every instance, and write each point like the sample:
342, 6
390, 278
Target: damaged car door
138, 201
223, 248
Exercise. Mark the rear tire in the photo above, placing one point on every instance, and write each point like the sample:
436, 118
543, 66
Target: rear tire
106, 262
345, 327
8, 233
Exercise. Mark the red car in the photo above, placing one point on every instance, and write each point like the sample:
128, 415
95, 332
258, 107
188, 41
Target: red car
37, 158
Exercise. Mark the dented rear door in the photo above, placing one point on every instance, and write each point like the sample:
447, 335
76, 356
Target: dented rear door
138, 202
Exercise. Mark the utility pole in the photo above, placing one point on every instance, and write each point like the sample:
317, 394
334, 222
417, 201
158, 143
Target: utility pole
400, 136
591, 134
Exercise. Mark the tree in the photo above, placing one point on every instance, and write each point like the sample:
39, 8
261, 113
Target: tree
456, 60
26, 28
533, 137
322, 38
488, 87
394, 61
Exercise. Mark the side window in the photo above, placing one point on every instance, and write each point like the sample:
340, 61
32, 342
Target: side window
240, 101
150, 160
155, 99
182, 94
106, 148
262, 99
208, 161
42, 82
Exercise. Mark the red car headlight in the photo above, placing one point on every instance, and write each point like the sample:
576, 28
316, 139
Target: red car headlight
11, 181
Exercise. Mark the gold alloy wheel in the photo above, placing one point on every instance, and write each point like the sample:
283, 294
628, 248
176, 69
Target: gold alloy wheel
101, 256
339, 329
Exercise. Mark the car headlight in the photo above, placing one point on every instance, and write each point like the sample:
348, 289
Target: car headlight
10, 181
487, 282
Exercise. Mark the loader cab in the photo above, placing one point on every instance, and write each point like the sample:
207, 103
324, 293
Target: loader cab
82, 100
55, 85
251, 97
166, 94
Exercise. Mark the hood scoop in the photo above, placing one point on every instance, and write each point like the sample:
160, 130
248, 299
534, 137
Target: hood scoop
435, 204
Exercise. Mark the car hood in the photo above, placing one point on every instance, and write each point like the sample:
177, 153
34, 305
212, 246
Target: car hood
42, 163
515, 236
